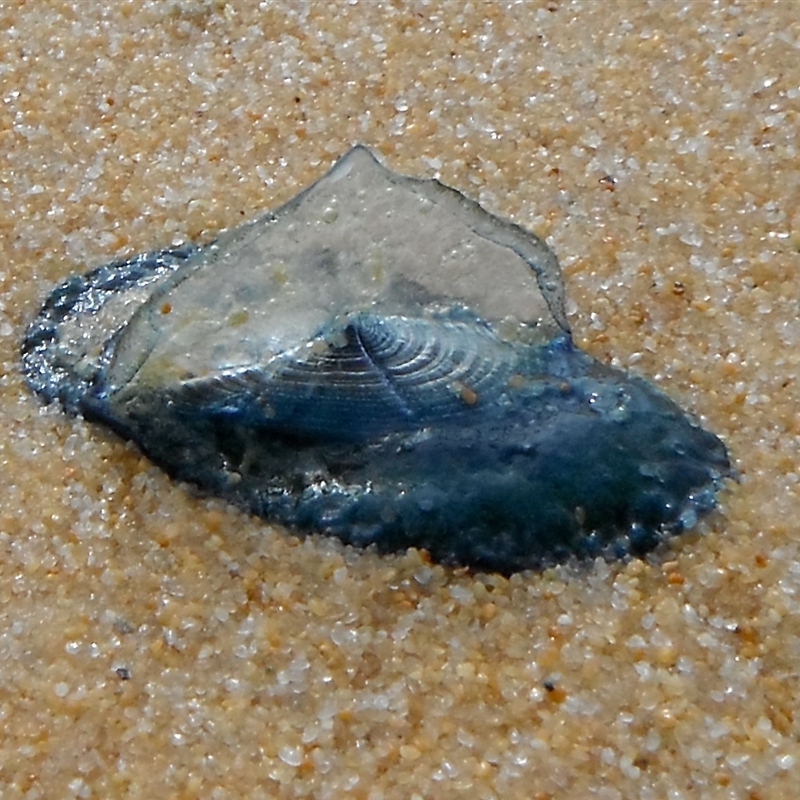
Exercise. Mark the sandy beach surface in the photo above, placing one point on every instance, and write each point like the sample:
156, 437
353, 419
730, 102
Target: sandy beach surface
157, 644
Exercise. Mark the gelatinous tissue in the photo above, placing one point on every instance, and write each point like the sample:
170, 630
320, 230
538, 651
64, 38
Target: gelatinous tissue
382, 360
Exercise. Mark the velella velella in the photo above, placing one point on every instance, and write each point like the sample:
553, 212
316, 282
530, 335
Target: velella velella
382, 360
